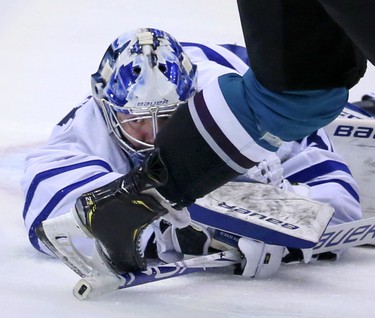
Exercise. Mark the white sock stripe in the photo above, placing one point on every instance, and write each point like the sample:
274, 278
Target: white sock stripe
230, 126
211, 142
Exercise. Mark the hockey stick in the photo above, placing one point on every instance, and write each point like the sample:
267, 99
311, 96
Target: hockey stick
94, 286
337, 237
343, 236
99, 279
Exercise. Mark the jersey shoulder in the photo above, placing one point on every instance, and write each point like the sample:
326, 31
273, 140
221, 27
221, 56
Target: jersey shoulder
231, 56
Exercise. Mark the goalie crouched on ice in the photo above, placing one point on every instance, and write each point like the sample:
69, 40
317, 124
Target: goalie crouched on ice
101, 160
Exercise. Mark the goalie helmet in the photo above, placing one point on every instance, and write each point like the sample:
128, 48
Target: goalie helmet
144, 73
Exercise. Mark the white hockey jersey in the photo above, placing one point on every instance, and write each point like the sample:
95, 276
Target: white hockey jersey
81, 155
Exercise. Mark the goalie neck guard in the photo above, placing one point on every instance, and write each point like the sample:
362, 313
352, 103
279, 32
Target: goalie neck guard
144, 74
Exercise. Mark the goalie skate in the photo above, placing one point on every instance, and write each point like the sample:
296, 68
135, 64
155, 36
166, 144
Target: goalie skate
115, 216
60, 235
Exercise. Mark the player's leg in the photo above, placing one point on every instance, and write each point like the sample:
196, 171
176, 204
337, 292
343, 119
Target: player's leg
295, 44
356, 18
232, 124
303, 66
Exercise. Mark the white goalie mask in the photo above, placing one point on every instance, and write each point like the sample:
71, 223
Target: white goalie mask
145, 74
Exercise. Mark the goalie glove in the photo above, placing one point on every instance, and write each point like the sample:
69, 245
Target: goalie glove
117, 213
260, 260
268, 171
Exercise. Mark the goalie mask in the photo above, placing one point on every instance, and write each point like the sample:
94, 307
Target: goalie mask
144, 75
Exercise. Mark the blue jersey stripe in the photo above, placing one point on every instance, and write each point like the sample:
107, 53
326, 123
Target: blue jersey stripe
211, 54
344, 184
239, 51
322, 168
314, 138
44, 214
53, 172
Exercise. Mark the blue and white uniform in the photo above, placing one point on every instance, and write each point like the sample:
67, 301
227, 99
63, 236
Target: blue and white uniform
81, 154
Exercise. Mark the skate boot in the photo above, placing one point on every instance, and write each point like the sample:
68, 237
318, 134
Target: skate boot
116, 214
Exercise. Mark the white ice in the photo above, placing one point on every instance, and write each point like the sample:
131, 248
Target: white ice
48, 49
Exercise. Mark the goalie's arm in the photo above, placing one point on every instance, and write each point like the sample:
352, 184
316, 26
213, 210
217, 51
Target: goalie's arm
116, 214
52, 187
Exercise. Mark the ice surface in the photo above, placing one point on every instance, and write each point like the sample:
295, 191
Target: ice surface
48, 50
